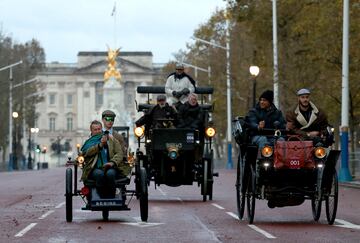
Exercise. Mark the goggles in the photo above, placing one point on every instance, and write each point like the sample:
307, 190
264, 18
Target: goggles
108, 118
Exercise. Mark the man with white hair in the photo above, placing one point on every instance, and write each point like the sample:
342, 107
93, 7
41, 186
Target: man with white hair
306, 119
191, 114
178, 86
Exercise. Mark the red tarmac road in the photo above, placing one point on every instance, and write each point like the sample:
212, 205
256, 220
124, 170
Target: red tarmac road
32, 210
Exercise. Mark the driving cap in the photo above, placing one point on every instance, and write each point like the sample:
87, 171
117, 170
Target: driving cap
179, 66
161, 97
303, 92
108, 113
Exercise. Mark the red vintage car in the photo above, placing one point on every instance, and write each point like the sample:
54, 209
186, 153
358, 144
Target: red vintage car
286, 173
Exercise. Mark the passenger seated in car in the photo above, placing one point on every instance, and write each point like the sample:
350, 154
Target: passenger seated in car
262, 116
306, 119
191, 115
103, 160
160, 116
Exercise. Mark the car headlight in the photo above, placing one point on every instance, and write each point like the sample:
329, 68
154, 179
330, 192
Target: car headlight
320, 152
267, 151
139, 131
172, 152
210, 132
80, 159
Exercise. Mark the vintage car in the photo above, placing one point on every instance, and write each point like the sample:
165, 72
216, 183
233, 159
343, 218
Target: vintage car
286, 173
177, 156
93, 201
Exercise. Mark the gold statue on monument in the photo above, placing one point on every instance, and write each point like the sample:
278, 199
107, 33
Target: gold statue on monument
111, 70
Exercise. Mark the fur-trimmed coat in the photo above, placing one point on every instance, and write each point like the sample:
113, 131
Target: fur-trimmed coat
298, 124
175, 83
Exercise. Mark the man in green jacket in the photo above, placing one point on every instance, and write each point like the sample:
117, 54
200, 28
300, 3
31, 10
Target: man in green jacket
103, 160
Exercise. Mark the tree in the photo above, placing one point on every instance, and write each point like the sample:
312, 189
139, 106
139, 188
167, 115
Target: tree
33, 57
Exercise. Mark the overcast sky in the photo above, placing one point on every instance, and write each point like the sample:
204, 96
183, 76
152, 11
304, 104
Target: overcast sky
65, 27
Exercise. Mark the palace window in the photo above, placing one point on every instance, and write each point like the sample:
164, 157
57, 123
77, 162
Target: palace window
52, 124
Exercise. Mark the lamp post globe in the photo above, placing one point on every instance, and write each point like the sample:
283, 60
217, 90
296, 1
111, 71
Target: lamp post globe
254, 70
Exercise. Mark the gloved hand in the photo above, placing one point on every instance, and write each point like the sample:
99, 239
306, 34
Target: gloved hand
179, 94
185, 91
107, 166
174, 93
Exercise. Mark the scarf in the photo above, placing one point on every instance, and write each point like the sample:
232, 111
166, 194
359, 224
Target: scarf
92, 141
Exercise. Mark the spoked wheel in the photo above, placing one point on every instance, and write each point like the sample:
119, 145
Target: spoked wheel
143, 197
204, 185
105, 215
240, 187
251, 195
331, 200
68, 195
317, 199
316, 208
211, 177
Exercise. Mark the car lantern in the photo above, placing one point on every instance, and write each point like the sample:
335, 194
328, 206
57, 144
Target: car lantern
267, 151
139, 131
319, 152
210, 132
80, 159
173, 152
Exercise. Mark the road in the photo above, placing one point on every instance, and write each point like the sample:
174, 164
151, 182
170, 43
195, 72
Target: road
32, 210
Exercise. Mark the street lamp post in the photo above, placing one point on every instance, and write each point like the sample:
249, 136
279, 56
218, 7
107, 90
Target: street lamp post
32, 130
254, 71
14, 165
10, 104
229, 164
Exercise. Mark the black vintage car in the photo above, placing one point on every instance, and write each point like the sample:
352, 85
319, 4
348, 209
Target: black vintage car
177, 156
93, 201
285, 173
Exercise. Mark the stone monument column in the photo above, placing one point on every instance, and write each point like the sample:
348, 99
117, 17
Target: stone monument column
114, 92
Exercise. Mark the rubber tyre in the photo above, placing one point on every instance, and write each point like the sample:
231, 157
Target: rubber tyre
240, 187
331, 201
68, 195
205, 182
105, 215
143, 197
251, 196
316, 201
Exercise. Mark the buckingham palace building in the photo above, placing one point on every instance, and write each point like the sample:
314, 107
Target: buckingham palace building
75, 94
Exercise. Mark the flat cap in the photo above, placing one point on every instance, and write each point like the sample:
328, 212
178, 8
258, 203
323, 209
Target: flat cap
161, 97
303, 92
179, 66
108, 113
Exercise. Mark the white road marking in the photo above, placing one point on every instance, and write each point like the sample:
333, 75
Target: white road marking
261, 231
82, 211
143, 224
233, 215
162, 192
26, 229
60, 205
346, 224
210, 232
46, 214
217, 205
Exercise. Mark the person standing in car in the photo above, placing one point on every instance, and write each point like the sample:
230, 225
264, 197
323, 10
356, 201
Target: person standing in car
178, 86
